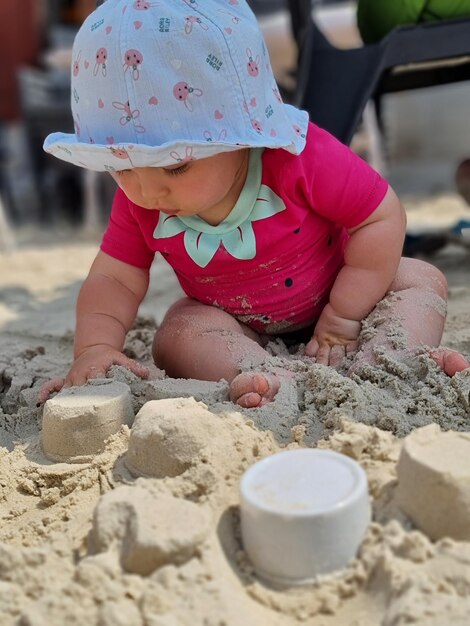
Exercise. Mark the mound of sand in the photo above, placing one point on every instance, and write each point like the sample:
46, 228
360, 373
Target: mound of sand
94, 543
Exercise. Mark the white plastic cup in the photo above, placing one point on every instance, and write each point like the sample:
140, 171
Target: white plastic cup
303, 513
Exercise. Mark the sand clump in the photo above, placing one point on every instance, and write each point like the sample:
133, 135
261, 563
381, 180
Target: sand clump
170, 436
142, 525
434, 482
77, 422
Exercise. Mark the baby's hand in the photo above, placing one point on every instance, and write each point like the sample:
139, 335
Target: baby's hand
92, 363
333, 337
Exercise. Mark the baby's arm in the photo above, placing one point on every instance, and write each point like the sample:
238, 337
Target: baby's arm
371, 258
106, 308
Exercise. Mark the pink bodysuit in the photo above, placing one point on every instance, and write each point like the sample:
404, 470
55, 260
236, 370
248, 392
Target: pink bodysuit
272, 262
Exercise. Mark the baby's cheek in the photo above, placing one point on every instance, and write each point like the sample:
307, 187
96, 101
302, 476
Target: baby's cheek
132, 193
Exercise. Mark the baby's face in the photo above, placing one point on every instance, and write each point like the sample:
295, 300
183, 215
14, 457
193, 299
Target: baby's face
208, 187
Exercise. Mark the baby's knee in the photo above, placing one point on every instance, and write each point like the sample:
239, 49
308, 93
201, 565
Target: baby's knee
429, 276
415, 273
160, 349
172, 332
184, 324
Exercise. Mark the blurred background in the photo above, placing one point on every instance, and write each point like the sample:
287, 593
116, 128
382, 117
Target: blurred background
426, 132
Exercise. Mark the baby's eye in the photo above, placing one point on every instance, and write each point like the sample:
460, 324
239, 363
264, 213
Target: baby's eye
178, 170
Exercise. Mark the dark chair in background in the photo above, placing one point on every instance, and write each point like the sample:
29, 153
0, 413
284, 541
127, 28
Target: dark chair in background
45, 108
5, 191
334, 85
65, 192
44, 189
7, 238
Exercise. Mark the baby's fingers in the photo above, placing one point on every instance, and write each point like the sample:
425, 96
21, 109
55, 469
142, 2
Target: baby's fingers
327, 354
320, 352
133, 366
323, 354
311, 348
337, 354
52, 385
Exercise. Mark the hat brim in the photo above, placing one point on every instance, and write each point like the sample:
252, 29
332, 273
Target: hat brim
121, 156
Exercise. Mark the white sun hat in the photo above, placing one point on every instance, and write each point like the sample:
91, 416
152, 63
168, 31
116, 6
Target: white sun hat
157, 82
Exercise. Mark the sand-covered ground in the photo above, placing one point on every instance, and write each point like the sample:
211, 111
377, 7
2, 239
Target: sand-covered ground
88, 543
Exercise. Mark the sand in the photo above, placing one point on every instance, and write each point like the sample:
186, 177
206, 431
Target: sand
95, 543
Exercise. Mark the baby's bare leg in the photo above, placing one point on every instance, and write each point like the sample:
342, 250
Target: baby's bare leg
206, 343
415, 318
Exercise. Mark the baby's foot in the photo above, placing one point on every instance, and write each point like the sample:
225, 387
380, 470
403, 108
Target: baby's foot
253, 389
449, 361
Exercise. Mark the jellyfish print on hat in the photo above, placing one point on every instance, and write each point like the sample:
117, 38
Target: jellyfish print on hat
190, 20
144, 5
133, 59
101, 58
221, 137
129, 116
298, 131
182, 91
119, 152
187, 157
253, 64
76, 65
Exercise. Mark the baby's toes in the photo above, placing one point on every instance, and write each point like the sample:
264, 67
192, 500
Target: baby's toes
249, 400
252, 389
450, 361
